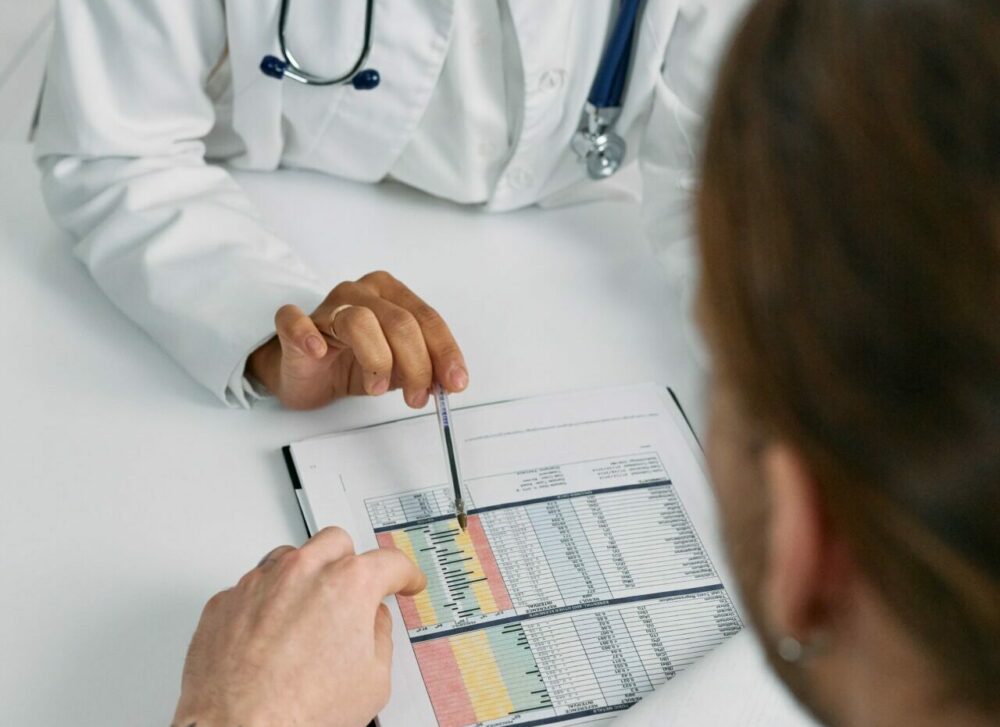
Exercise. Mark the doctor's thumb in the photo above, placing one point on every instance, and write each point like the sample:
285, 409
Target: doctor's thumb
298, 333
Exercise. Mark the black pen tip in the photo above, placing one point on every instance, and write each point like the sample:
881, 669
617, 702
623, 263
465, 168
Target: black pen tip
463, 520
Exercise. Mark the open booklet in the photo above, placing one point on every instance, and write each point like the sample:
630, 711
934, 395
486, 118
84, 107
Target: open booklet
590, 573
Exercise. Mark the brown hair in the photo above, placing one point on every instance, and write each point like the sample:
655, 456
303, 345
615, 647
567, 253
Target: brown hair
850, 237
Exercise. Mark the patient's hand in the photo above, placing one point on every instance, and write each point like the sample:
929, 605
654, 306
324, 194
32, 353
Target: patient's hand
303, 639
387, 339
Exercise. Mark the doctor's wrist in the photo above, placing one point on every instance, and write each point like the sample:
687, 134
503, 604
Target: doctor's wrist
264, 364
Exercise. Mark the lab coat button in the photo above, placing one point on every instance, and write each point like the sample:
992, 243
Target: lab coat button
480, 38
551, 80
520, 178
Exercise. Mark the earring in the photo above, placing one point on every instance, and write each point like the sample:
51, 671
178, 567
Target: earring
794, 651
790, 649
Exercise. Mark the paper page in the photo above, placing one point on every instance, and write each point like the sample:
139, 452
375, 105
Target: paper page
731, 686
589, 575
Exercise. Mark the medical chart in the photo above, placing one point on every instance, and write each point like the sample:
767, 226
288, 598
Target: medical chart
589, 573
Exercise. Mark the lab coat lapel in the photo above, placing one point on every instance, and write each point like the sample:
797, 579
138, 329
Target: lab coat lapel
655, 28
253, 26
576, 42
371, 128
560, 45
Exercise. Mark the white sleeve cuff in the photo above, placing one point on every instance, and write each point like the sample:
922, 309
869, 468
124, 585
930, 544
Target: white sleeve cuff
243, 390
234, 385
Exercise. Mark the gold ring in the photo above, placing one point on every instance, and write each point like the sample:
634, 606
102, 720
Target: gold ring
333, 320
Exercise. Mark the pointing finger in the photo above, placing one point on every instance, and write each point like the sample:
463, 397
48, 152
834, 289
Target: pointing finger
391, 572
329, 544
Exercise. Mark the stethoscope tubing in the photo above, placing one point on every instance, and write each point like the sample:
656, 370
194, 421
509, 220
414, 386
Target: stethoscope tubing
612, 72
294, 69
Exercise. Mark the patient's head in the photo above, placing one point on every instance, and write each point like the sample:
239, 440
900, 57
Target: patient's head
850, 238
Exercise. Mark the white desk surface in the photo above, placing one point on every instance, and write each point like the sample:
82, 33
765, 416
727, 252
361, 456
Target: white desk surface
130, 495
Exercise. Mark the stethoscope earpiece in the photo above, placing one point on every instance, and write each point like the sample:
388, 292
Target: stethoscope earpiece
366, 80
273, 66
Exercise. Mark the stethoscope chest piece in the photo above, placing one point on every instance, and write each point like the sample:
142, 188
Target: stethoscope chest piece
597, 143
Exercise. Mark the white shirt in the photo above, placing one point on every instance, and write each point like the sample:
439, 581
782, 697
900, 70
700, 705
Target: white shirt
140, 95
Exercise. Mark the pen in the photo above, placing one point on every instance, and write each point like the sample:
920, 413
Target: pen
450, 451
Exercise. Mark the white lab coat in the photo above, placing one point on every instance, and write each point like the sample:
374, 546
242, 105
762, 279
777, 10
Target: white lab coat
140, 94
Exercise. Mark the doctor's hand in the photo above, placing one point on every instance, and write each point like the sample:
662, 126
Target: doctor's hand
368, 337
302, 639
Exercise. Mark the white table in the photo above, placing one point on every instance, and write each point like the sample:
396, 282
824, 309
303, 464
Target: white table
130, 495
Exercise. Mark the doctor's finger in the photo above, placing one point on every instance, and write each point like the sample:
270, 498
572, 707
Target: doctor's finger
298, 332
446, 357
359, 329
412, 366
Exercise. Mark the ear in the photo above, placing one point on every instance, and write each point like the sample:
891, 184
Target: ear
794, 575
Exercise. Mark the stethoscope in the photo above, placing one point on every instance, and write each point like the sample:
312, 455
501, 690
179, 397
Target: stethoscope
287, 66
595, 141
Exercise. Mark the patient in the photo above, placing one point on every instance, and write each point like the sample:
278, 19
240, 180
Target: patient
850, 240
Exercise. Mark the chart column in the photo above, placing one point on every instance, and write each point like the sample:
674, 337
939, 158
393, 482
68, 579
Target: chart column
526, 572
564, 665
615, 660
567, 548
650, 647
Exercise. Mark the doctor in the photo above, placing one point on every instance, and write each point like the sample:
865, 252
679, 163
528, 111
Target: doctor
494, 103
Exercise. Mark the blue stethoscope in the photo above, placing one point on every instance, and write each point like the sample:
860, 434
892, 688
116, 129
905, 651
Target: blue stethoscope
595, 142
